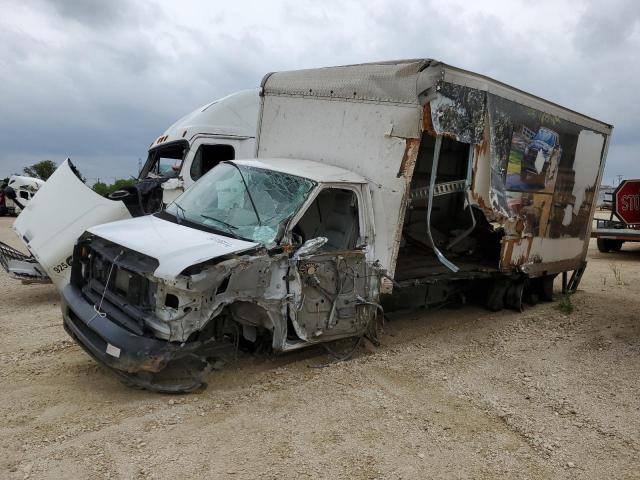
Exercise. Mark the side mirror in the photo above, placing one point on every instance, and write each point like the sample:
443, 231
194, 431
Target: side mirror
120, 194
310, 247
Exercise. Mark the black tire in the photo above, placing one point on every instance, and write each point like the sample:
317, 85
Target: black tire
546, 288
496, 294
603, 245
513, 296
615, 245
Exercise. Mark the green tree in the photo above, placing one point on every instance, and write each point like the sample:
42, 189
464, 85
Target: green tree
105, 189
42, 170
101, 188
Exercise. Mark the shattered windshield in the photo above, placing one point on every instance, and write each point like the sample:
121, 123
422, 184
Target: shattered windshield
220, 200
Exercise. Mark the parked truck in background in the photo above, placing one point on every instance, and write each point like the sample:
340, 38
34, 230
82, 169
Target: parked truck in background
18, 192
623, 224
221, 130
377, 186
4, 210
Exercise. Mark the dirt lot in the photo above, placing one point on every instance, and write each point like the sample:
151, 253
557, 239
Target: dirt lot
454, 393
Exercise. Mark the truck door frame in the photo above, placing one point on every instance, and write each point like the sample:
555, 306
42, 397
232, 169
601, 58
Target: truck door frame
363, 248
236, 142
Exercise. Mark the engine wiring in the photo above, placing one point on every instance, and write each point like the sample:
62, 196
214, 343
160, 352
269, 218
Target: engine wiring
97, 309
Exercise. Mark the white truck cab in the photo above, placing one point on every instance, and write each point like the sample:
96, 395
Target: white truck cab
224, 250
221, 130
22, 189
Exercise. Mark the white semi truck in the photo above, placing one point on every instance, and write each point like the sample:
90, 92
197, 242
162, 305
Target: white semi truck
18, 192
221, 130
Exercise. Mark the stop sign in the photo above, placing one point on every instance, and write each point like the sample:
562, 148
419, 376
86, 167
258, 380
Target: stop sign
626, 201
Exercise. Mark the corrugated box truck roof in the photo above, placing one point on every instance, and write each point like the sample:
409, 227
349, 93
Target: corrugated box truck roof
406, 82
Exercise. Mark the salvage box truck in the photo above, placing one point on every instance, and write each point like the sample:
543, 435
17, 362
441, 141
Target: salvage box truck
392, 185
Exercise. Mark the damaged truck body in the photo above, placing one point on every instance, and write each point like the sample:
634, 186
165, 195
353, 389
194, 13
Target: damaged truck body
379, 186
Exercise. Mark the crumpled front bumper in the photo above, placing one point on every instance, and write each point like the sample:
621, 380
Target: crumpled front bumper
140, 361
108, 342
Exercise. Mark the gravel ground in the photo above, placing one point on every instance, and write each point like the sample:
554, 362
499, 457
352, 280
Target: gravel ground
454, 393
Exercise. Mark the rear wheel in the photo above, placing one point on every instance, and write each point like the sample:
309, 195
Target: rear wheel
603, 245
616, 245
606, 245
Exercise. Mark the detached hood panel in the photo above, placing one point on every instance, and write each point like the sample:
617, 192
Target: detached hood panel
57, 215
176, 247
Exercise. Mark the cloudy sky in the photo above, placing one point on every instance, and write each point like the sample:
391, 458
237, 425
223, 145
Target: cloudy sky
98, 80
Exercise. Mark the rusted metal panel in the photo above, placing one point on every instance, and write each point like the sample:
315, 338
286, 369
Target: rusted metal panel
427, 123
409, 158
407, 166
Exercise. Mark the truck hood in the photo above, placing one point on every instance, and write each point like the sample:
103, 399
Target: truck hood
176, 247
57, 215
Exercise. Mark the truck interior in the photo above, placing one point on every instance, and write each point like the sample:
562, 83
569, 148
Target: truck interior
208, 156
460, 231
334, 215
165, 160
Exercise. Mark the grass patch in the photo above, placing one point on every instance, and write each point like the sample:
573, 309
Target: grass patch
617, 274
565, 305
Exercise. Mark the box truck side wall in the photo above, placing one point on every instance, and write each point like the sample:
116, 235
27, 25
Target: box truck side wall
515, 178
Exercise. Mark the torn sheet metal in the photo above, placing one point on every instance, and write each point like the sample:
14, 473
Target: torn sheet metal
458, 112
542, 169
20, 266
175, 246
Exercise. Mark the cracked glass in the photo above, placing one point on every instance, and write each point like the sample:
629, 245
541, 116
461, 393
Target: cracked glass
221, 201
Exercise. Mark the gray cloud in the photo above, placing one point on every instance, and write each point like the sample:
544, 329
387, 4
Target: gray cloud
604, 29
98, 81
95, 13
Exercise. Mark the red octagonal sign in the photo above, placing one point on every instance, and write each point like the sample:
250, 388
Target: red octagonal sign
626, 201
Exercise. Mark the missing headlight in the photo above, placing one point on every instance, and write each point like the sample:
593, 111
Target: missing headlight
171, 301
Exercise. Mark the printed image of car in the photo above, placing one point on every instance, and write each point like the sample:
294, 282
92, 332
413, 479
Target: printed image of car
538, 153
